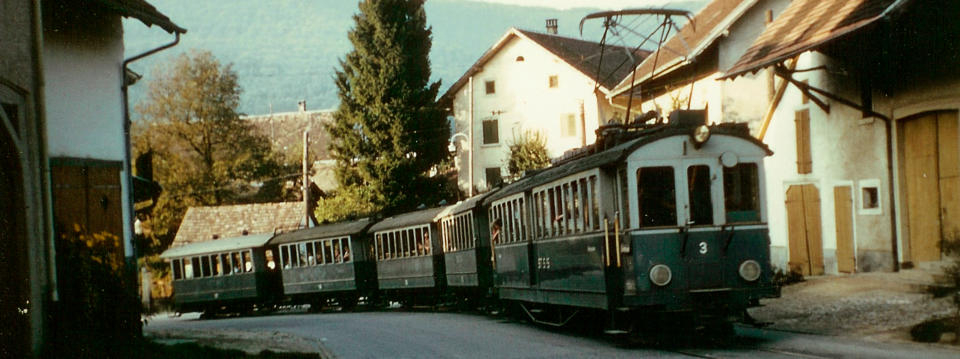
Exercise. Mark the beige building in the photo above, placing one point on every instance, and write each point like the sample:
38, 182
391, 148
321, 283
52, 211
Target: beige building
530, 82
865, 172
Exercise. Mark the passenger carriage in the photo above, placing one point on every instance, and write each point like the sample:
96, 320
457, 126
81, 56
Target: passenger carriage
656, 218
410, 266
466, 249
224, 275
330, 262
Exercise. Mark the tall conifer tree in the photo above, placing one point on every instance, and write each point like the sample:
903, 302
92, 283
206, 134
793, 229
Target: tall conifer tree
388, 131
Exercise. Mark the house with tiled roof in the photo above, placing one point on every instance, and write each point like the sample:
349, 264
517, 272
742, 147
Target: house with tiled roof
865, 173
201, 224
531, 82
683, 73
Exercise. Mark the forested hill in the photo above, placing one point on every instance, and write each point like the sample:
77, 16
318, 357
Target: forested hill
287, 51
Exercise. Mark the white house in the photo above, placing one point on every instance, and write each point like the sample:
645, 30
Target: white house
865, 174
530, 81
63, 152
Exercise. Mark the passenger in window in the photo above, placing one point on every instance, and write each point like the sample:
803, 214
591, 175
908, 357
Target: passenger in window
346, 254
426, 242
336, 252
495, 232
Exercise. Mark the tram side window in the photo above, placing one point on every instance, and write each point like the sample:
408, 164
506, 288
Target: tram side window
285, 256
237, 264
225, 259
187, 268
215, 265
247, 262
177, 269
741, 192
271, 260
657, 197
701, 204
311, 256
379, 245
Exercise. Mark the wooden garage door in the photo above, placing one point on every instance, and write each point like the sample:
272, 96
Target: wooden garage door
803, 226
931, 173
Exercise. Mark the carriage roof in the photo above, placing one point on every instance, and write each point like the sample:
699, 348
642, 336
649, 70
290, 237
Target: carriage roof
218, 246
613, 155
323, 231
408, 219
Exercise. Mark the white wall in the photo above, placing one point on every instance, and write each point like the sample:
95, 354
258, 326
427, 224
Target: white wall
523, 101
83, 98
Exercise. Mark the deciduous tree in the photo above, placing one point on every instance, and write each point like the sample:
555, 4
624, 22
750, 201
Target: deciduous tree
204, 153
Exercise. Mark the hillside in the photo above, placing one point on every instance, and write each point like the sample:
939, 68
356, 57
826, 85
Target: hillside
287, 51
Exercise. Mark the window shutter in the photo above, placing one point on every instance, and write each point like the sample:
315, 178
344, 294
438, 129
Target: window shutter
804, 159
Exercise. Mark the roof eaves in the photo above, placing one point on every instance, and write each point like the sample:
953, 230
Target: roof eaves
682, 61
143, 11
478, 65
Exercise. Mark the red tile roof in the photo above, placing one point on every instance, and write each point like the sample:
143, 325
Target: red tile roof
808, 24
707, 25
204, 223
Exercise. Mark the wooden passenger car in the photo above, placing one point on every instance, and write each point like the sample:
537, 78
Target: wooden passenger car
466, 248
327, 262
224, 275
409, 255
654, 219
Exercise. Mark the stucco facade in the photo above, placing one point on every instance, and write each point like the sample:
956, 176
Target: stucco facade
513, 87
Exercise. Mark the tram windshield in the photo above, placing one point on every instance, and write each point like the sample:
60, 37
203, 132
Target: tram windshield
741, 192
656, 197
698, 186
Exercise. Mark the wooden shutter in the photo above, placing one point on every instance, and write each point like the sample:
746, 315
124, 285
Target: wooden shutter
843, 211
804, 159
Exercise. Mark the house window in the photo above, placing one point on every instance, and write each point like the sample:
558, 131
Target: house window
491, 132
491, 87
569, 126
804, 159
493, 177
553, 81
870, 197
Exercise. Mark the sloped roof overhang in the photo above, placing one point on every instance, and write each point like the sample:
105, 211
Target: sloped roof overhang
808, 25
143, 11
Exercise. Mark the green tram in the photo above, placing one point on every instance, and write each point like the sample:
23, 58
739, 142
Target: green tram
656, 221
409, 257
230, 275
327, 264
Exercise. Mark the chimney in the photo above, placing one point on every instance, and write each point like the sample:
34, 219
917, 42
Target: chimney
302, 105
552, 26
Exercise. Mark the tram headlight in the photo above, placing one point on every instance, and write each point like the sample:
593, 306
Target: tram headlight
750, 270
660, 275
700, 135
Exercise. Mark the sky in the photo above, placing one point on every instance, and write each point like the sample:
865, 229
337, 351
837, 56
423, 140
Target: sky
567, 4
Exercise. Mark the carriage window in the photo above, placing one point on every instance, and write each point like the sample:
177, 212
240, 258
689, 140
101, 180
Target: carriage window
225, 259
345, 246
236, 262
311, 256
327, 252
411, 243
741, 192
471, 240
698, 186
595, 203
379, 245
303, 254
195, 266
187, 268
215, 265
426, 240
205, 266
247, 262
271, 263
656, 197
177, 269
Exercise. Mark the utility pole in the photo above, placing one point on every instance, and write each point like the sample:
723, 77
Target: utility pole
306, 176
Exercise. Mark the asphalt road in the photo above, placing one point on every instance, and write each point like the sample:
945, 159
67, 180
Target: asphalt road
401, 334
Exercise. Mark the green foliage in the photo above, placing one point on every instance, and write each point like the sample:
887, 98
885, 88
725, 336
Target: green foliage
204, 153
528, 152
97, 306
347, 203
388, 131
